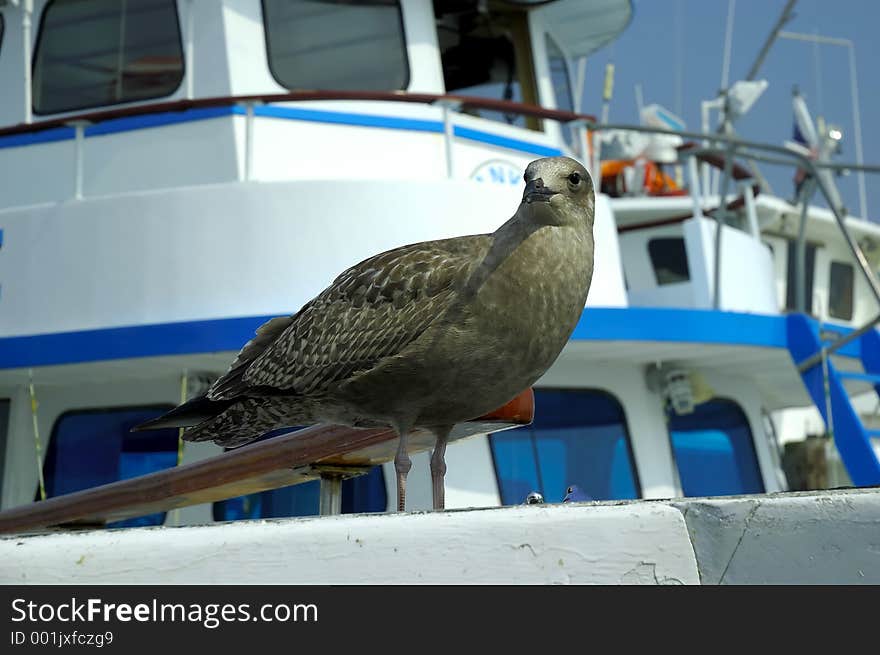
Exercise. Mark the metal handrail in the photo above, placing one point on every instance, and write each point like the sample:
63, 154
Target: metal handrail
506, 106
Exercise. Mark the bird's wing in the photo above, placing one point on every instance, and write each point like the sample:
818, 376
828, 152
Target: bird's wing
370, 312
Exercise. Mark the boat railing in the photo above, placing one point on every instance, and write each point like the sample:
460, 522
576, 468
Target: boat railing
329, 453
720, 149
449, 103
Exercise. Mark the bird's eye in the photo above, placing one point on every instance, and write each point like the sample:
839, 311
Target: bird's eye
574, 178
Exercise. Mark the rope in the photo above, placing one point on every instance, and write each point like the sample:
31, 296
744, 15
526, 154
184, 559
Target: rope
38, 447
184, 384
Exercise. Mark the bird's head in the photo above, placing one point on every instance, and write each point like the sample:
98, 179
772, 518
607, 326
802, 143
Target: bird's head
559, 191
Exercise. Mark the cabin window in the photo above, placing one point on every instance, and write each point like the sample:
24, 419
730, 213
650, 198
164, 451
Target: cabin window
92, 53
94, 447
578, 437
714, 450
561, 80
840, 291
486, 52
2, 26
791, 285
328, 44
669, 259
361, 494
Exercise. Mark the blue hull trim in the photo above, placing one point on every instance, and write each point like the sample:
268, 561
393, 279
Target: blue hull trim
186, 338
147, 121
230, 334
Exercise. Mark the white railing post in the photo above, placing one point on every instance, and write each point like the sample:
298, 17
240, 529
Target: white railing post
27, 10
79, 128
249, 139
448, 106
694, 183
751, 209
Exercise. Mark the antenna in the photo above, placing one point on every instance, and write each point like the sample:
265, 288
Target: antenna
786, 15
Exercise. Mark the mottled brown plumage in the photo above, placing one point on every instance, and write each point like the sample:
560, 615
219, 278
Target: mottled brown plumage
426, 335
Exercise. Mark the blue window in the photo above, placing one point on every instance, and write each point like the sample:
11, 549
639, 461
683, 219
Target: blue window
95, 447
365, 493
714, 451
578, 437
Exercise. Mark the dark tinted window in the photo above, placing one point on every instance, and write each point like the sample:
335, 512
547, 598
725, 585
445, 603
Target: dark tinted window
91, 448
486, 52
578, 437
332, 44
669, 259
102, 52
790, 288
714, 451
840, 291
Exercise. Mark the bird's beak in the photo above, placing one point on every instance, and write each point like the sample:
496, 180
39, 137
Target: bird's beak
537, 192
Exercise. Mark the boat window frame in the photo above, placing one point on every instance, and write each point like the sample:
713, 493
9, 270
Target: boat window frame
752, 441
405, 43
654, 268
39, 40
53, 433
634, 466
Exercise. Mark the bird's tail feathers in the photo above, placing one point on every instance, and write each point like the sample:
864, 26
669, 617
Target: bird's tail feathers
247, 420
186, 415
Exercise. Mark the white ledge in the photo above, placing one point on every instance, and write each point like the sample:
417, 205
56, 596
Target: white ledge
633, 543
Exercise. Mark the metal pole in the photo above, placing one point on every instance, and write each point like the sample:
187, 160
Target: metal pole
248, 140
801, 250
79, 128
784, 17
751, 210
448, 106
857, 123
720, 221
696, 193
448, 137
728, 44
330, 502
27, 9
190, 59
854, 93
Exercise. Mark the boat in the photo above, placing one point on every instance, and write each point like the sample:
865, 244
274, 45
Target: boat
175, 173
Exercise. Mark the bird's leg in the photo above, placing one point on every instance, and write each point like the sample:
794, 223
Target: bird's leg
438, 466
402, 465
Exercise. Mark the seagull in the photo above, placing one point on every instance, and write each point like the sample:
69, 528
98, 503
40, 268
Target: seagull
422, 336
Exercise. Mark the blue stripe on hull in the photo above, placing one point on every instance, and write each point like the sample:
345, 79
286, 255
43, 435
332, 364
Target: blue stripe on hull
132, 123
229, 334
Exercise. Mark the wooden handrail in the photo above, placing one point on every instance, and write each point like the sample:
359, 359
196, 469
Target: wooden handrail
278, 462
506, 106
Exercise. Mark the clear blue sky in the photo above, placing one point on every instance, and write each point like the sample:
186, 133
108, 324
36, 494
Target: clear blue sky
666, 36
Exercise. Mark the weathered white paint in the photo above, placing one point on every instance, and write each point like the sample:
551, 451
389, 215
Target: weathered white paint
829, 537
604, 544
